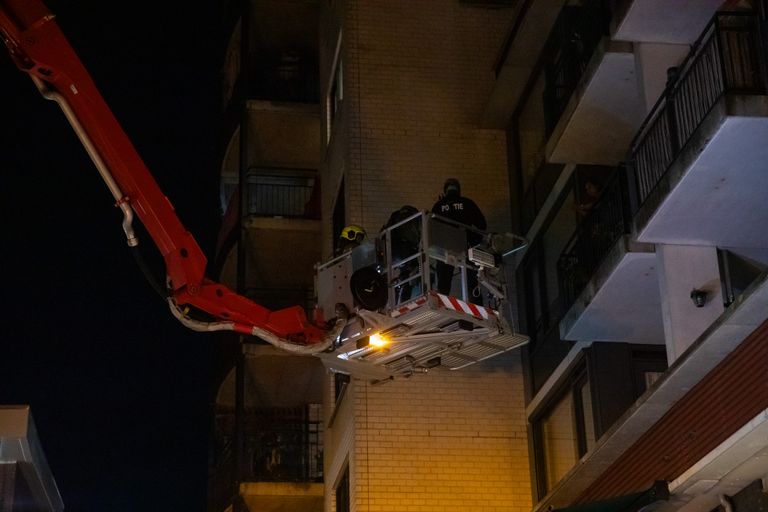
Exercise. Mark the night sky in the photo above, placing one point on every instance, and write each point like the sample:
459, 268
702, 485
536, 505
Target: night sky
119, 389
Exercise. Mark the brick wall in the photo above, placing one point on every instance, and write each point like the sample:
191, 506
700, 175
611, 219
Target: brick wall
445, 441
416, 78
417, 75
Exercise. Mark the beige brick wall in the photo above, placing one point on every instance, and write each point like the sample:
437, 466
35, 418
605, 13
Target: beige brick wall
445, 441
417, 75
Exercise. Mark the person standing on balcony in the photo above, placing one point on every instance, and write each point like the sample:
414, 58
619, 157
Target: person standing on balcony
589, 197
405, 242
452, 205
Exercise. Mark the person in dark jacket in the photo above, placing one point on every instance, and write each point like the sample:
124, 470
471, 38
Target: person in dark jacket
404, 244
458, 208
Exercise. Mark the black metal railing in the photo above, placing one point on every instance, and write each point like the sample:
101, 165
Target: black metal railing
727, 58
289, 193
280, 445
285, 445
567, 52
593, 239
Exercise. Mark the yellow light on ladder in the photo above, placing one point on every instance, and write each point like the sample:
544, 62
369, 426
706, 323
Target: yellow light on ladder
377, 340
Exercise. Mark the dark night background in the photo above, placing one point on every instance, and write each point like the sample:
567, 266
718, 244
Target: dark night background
119, 389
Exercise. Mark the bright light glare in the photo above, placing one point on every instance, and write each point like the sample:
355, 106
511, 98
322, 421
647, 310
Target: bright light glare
377, 340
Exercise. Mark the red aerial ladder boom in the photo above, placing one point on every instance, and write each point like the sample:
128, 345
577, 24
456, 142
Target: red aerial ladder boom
39, 48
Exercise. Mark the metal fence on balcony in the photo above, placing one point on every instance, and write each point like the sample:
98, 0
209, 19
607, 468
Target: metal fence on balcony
594, 237
727, 58
280, 445
289, 193
569, 48
285, 445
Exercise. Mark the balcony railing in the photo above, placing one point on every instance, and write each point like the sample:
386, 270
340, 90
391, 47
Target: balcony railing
727, 58
280, 445
285, 446
593, 239
283, 193
569, 48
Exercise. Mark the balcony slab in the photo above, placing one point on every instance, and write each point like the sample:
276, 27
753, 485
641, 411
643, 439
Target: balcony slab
662, 21
714, 192
283, 496
604, 111
621, 301
523, 46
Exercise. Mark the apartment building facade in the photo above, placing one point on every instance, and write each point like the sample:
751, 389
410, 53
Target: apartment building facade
403, 89
646, 306
623, 139
381, 130
267, 436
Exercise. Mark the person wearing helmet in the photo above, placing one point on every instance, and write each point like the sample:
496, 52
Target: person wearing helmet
458, 208
351, 236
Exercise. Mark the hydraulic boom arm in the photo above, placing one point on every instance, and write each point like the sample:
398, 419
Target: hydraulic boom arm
39, 48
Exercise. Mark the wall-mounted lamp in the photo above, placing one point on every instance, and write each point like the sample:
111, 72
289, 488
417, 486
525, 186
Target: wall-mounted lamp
699, 297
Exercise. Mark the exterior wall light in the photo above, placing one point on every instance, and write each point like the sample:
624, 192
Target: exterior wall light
699, 297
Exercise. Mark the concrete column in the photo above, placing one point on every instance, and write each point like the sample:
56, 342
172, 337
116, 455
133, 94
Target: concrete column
683, 268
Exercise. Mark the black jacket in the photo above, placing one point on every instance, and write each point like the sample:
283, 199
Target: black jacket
464, 210
461, 209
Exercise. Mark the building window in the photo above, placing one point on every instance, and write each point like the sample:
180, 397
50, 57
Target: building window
558, 438
567, 429
582, 406
335, 96
586, 402
342, 493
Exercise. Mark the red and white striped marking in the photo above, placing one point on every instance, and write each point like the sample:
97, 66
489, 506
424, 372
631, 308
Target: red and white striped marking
450, 302
405, 308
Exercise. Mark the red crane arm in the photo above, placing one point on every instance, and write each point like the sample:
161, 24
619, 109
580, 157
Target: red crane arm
38, 47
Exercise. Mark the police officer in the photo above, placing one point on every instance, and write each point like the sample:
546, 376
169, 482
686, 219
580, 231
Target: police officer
456, 207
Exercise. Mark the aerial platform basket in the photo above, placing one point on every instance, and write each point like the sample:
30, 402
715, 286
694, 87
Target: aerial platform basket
400, 325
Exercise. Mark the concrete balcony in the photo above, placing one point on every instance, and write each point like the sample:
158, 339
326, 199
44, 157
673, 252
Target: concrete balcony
699, 176
283, 497
662, 21
609, 282
280, 260
592, 100
517, 59
603, 112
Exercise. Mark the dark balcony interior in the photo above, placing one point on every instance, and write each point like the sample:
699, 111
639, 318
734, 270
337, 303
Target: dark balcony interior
606, 221
284, 51
279, 445
607, 281
704, 123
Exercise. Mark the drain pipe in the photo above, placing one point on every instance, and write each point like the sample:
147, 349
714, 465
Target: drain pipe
120, 200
